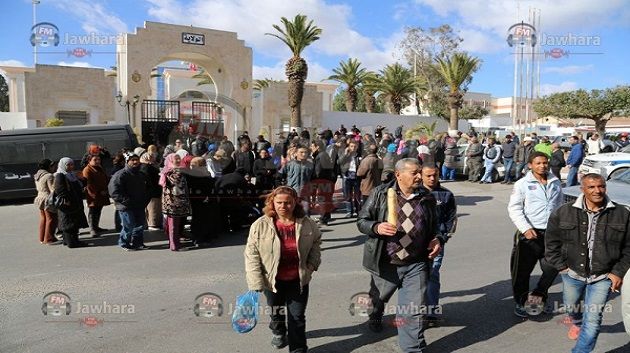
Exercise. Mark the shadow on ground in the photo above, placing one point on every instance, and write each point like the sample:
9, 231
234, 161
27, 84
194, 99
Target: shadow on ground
471, 200
365, 338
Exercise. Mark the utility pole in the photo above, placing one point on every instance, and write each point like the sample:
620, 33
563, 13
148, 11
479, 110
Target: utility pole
35, 3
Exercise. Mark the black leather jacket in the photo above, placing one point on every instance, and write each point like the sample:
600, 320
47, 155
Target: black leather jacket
567, 246
375, 211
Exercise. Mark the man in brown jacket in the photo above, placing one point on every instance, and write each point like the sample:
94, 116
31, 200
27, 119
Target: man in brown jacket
370, 171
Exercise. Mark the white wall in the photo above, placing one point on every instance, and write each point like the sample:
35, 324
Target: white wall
10, 121
366, 122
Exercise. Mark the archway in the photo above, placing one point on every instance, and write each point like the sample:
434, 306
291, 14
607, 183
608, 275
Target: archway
224, 57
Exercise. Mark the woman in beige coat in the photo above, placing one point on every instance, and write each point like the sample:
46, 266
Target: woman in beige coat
282, 252
44, 183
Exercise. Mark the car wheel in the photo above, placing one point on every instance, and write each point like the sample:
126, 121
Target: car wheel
616, 173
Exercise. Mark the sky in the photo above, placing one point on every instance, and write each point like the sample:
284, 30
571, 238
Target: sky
369, 30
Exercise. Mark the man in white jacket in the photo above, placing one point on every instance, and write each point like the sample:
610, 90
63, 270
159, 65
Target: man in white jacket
533, 199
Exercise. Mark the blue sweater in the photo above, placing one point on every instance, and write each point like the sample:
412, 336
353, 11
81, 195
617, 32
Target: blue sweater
576, 155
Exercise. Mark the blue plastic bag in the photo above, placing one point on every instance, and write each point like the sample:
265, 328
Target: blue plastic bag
245, 314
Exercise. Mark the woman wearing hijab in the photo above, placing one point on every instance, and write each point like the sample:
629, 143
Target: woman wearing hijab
69, 190
175, 203
167, 150
185, 158
154, 208
96, 193
44, 183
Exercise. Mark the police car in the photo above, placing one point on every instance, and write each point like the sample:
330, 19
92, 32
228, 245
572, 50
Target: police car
609, 165
617, 189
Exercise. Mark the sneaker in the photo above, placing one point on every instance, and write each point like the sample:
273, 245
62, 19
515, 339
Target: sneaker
279, 341
574, 332
519, 310
376, 325
127, 248
348, 215
142, 247
534, 305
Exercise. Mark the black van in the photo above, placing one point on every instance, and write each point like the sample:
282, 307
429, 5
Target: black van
22, 149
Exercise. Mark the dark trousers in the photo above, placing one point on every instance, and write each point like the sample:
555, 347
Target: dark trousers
352, 188
525, 254
290, 297
556, 172
94, 217
474, 169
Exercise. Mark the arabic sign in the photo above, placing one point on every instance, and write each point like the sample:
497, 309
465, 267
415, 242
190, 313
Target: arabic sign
192, 38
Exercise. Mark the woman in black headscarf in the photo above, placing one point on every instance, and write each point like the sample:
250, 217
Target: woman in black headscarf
69, 191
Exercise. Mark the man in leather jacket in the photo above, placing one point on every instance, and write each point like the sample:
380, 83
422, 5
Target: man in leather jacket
398, 256
588, 241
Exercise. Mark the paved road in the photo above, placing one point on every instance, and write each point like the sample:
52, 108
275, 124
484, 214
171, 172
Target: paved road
162, 286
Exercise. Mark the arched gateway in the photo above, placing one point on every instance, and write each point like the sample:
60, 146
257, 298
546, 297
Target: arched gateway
225, 59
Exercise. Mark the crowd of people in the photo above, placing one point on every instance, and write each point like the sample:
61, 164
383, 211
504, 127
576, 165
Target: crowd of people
392, 185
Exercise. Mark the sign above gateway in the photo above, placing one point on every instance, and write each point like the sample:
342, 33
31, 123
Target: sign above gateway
192, 38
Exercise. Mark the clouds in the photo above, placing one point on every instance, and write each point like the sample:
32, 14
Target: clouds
11, 62
76, 64
93, 16
548, 88
252, 19
568, 70
488, 23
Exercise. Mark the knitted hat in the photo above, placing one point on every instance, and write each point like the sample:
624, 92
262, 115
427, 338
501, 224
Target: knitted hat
129, 155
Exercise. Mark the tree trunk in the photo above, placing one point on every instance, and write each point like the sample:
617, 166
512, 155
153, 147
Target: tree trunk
453, 122
370, 101
296, 71
351, 99
600, 126
397, 105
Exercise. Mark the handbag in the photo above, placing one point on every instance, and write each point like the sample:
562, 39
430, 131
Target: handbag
49, 203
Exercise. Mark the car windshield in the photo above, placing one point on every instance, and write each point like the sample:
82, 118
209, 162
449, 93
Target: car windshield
623, 177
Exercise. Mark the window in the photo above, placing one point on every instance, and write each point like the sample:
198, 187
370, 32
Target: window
72, 117
285, 126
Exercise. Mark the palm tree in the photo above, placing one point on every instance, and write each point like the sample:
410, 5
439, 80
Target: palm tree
297, 35
264, 83
352, 76
370, 87
204, 78
457, 71
397, 84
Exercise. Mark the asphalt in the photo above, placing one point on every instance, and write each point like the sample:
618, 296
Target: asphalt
162, 287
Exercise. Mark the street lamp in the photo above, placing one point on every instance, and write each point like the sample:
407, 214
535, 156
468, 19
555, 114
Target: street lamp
127, 103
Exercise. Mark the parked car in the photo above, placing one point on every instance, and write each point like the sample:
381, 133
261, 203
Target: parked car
617, 189
609, 165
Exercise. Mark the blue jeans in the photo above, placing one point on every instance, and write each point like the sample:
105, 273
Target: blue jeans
411, 282
508, 163
520, 168
448, 173
589, 318
487, 176
352, 194
572, 176
132, 233
433, 286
